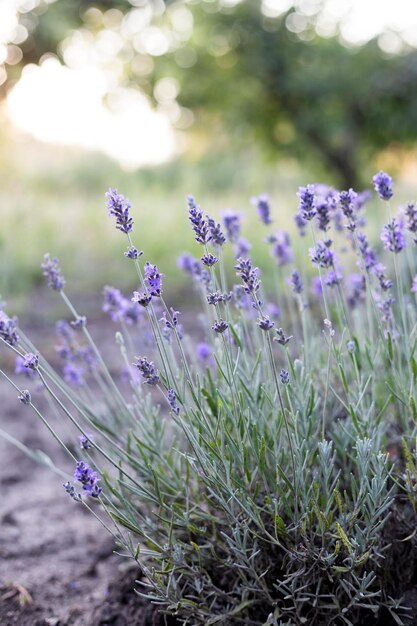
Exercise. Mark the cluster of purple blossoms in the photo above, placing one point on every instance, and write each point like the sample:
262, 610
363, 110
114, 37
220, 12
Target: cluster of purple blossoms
73, 374
209, 260
384, 282
118, 206
8, 330
411, 215
366, 252
323, 215
332, 278
133, 253
356, 289
173, 402
231, 223
220, 326
25, 397
393, 237
78, 359
284, 377
242, 248
31, 361
198, 221
216, 233
205, 352
321, 255
248, 274
153, 279
263, 208
296, 282
281, 337
216, 296
265, 323
189, 264
170, 322
86, 441
118, 307
383, 185
301, 224
143, 298
51, 270
307, 207
281, 247
148, 370
20, 368
88, 478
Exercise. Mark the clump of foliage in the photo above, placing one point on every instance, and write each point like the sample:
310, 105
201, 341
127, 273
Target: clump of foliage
276, 483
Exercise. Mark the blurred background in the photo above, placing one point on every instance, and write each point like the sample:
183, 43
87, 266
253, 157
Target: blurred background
224, 99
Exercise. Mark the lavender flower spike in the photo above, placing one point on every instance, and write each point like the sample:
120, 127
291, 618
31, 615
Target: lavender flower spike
51, 270
383, 185
248, 274
393, 237
148, 370
153, 279
88, 478
119, 207
307, 206
31, 361
198, 222
296, 282
263, 208
8, 329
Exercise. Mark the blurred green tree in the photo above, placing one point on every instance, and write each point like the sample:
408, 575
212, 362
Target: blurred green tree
248, 78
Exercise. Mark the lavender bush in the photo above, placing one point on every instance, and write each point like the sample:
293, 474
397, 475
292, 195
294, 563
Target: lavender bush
267, 473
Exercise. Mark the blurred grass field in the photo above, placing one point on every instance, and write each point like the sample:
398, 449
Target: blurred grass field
52, 200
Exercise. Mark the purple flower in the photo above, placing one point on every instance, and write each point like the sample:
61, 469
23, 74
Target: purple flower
217, 237
148, 370
20, 368
323, 215
248, 274
172, 321
88, 478
384, 282
263, 208
143, 298
70, 489
348, 202
231, 223
356, 289
220, 326
153, 279
273, 310
215, 297
301, 223
296, 282
284, 377
118, 206
316, 287
25, 397
51, 270
114, 303
307, 207
31, 361
85, 442
172, 399
73, 375
281, 247
198, 221
281, 338
133, 253
321, 255
79, 322
383, 185
333, 278
242, 248
265, 323
366, 252
204, 351
393, 237
209, 259
411, 214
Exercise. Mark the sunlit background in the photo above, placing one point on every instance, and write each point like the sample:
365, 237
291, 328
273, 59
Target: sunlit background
152, 97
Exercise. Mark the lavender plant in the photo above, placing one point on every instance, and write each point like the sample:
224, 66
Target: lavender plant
258, 473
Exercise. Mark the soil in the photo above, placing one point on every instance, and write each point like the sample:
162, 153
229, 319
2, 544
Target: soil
57, 563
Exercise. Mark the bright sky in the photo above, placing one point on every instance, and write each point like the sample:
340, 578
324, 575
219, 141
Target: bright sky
65, 105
